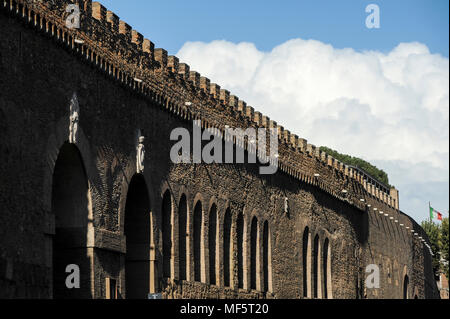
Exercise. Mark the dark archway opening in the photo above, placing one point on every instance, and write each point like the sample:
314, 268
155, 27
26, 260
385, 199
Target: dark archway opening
70, 207
137, 230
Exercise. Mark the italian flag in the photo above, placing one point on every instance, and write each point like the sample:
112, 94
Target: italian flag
434, 214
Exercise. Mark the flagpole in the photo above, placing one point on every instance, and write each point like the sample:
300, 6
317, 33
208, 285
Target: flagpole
429, 211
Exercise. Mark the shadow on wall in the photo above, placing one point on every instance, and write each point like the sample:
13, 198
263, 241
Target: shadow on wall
359, 220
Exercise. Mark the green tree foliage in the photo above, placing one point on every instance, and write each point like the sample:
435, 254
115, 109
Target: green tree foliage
444, 241
433, 231
372, 170
438, 235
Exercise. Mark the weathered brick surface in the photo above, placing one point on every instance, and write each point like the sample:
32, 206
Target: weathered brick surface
41, 67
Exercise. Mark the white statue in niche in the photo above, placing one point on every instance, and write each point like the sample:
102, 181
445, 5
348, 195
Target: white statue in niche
140, 154
286, 205
74, 119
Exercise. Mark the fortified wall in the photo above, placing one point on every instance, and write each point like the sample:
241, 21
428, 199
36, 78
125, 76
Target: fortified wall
78, 108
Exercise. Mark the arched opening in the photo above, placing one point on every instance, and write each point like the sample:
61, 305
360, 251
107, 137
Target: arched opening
325, 264
70, 207
167, 233
212, 235
266, 256
137, 230
226, 248
405, 287
198, 221
182, 224
240, 249
316, 281
253, 252
306, 263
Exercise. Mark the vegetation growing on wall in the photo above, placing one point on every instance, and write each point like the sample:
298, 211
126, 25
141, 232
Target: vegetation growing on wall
444, 243
438, 235
372, 170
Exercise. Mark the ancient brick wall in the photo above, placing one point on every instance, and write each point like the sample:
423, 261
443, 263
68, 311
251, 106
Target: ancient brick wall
125, 88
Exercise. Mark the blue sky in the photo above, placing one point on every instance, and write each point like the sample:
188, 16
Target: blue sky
390, 108
169, 24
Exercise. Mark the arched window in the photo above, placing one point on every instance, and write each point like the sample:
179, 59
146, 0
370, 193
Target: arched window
306, 263
226, 248
316, 279
240, 249
325, 266
198, 221
167, 233
182, 224
405, 287
267, 263
212, 235
253, 252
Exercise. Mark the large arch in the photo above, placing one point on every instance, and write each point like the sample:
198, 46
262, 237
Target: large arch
71, 204
137, 230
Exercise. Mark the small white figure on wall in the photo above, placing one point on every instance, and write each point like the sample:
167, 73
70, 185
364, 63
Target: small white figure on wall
74, 119
140, 154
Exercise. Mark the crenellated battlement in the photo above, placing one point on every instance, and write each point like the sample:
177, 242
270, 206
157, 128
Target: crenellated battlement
124, 55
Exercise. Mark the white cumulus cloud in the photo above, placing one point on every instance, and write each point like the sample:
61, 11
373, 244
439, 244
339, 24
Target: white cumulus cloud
383, 107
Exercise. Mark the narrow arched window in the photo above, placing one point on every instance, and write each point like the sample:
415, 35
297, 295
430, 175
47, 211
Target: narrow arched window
240, 249
253, 252
226, 248
325, 265
306, 262
316, 280
212, 235
182, 224
198, 220
266, 256
405, 287
167, 233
